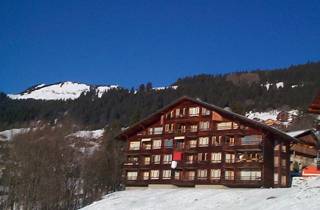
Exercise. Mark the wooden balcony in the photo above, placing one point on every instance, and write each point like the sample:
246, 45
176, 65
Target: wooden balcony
243, 182
131, 164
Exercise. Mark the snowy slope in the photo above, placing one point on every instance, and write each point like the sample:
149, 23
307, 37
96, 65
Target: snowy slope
304, 194
7, 135
271, 115
60, 91
95, 134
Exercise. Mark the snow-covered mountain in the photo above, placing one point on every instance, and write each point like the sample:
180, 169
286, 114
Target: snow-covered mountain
60, 91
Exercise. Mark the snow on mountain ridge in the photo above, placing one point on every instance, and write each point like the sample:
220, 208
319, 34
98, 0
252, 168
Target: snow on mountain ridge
60, 91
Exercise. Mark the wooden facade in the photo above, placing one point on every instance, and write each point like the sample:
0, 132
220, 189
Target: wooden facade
210, 145
315, 105
304, 152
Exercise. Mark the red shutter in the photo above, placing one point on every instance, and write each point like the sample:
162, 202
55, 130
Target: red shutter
177, 155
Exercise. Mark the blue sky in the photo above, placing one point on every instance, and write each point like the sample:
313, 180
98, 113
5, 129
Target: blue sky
133, 42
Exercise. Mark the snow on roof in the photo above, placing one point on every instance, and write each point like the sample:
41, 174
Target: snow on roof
304, 194
297, 133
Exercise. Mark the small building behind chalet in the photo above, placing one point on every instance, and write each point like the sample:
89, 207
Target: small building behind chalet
304, 152
191, 143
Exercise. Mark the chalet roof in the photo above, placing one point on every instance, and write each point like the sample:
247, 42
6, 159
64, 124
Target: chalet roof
315, 105
142, 124
299, 133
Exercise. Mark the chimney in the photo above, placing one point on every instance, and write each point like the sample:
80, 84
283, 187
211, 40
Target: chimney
227, 107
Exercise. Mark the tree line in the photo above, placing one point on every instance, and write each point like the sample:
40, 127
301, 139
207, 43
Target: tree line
242, 91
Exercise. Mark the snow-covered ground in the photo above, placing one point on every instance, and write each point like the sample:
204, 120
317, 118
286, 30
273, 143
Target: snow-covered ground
95, 134
7, 135
271, 115
304, 194
60, 91
167, 87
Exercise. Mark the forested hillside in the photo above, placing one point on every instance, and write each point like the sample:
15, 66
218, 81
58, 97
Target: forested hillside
257, 90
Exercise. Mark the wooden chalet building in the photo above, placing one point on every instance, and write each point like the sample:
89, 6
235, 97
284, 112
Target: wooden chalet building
304, 152
315, 105
191, 143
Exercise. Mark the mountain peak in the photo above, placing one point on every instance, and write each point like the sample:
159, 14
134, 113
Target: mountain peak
60, 91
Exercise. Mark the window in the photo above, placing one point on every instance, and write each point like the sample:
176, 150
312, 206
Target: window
168, 128
156, 159
192, 144
177, 112
134, 145
156, 144
145, 175
154, 174
204, 126
276, 178
177, 175
133, 159
230, 141
284, 148
283, 180
224, 126
247, 175
203, 141
202, 157
216, 157
193, 128
276, 146
181, 129
167, 158
205, 111
283, 163
158, 130
146, 160
189, 159
276, 161
190, 175
179, 144
162, 119
194, 111
230, 158
251, 139
146, 144
202, 174
216, 140
235, 126
166, 174
132, 175
229, 175
168, 143
150, 131
215, 174
184, 111
171, 114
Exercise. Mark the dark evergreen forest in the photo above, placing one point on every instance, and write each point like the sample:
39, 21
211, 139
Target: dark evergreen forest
242, 91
